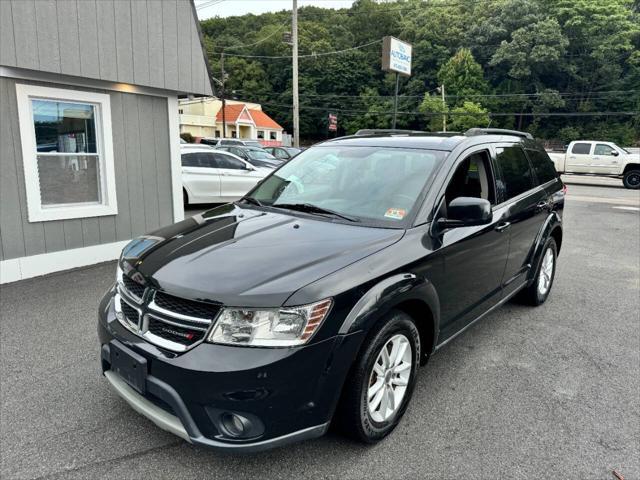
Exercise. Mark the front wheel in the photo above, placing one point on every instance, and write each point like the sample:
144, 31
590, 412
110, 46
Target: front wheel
631, 179
381, 383
537, 293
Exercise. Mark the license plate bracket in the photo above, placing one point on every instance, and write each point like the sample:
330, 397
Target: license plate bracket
130, 366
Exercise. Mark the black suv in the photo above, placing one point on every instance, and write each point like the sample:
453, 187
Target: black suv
317, 296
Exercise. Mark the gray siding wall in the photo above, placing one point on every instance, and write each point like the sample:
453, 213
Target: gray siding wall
142, 169
151, 43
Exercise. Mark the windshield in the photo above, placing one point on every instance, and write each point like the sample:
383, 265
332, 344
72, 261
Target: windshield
259, 155
253, 144
376, 186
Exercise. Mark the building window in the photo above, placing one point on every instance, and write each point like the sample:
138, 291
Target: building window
273, 135
233, 134
261, 134
67, 151
217, 133
180, 111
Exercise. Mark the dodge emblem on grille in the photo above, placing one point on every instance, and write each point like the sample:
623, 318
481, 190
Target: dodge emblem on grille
188, 336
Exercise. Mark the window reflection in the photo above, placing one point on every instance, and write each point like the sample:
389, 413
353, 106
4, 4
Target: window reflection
64, 127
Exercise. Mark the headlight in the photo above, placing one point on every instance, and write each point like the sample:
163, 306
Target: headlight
283, 327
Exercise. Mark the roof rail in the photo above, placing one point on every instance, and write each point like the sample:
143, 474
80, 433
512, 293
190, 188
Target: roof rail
472, 132
384, 131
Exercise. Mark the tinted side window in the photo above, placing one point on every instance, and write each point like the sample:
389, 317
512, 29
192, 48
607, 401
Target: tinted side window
190, 160
209, 160
516, 173
581, 148
542, 165
229, 162
602, 149
238, 152
280, 153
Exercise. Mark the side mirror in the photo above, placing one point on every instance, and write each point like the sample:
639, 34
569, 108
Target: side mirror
466, 212
615, 153
249, 167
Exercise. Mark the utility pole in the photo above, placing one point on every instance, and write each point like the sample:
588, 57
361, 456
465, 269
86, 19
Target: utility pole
296, 106
224, 103
444, 106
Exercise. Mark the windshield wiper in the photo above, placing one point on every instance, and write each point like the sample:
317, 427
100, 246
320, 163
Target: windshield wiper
251, 200
310, 208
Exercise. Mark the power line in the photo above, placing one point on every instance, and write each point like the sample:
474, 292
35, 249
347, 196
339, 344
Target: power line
233, 47
491, 114
209, 3
317, 54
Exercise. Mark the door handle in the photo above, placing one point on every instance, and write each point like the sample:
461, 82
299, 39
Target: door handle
542, 205
502, 226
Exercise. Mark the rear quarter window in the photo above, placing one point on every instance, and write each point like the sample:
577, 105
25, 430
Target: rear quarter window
542, 165
517, 177
581, 148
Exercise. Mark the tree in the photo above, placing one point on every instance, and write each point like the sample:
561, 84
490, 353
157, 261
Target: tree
525, 57
469, 115
462, 76
433, 108
533, 50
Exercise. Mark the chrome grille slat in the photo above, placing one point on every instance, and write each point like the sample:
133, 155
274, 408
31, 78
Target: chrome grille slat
174, 328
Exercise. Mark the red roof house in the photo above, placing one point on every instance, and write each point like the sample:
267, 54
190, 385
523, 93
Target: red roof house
243, 122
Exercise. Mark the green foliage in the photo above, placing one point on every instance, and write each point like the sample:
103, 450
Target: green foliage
525, 58
187, 137
468, 115
431, 106
462, 76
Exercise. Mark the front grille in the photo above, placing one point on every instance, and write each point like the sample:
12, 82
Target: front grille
133, 287
186, 307
174, 323
130, 313
184, 335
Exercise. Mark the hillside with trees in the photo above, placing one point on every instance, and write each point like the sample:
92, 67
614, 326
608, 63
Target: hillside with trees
560, 69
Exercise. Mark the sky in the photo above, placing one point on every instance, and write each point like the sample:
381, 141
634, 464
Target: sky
229, 8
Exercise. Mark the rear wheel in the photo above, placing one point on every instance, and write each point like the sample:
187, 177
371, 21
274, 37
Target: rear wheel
381, 383
631, 179
537, 293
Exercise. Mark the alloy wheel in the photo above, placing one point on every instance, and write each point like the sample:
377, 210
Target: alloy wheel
546, 272
389, 378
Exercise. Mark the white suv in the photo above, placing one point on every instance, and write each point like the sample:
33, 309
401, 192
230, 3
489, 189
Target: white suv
214, 176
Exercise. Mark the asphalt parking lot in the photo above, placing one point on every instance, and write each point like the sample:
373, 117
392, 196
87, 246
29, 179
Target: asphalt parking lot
551, 392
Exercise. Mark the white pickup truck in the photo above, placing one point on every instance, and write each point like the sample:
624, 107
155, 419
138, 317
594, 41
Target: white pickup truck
599, 158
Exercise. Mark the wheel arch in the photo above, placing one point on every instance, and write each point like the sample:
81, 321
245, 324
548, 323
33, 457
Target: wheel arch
415, 296
631, 166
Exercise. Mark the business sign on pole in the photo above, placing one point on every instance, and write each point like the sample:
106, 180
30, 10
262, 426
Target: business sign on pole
396, 56
333, 122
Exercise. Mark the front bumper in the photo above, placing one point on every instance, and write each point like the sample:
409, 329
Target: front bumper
289, 393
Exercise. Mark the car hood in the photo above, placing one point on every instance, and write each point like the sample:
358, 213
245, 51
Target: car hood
248, 257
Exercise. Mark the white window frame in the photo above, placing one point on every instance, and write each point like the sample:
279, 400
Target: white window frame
104, 142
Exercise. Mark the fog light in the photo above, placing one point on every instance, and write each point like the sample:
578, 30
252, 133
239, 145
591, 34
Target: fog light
235, 425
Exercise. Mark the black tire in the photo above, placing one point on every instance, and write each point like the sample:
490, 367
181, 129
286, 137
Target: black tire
532, 295
185, 198
631, 179
353, 417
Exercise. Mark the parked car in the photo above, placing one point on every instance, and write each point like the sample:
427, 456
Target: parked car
219, 142
255, 156
283, 153
318, 295
213, 176
599, 158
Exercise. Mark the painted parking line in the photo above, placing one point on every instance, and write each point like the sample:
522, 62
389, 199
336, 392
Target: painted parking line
633, 209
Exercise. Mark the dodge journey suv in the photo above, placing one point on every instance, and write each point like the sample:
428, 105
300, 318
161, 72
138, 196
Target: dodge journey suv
316, 297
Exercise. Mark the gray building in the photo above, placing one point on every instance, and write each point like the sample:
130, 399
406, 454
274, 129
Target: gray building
89, 141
